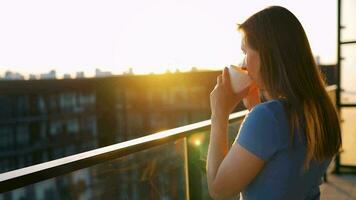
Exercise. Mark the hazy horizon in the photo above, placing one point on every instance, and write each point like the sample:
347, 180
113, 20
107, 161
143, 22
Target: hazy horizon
148, 36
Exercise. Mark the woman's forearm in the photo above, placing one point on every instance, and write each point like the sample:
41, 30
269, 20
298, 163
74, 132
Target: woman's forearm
218, 147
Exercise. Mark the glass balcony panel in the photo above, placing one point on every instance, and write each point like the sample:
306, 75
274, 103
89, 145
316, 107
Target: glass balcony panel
348, 116
348, 72
201, 142
156, 173
348, 19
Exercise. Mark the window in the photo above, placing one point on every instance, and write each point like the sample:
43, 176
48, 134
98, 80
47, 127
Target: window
72, 126
89, 125
22, 134
41, 105
5, 107
87, 99
22, 105
55, 127
67, 101
6, 137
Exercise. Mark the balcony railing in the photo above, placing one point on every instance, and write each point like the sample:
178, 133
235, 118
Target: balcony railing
164, 164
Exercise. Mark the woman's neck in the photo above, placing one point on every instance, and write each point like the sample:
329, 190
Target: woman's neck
266, 95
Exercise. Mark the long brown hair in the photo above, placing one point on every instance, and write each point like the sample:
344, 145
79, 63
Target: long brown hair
289, 71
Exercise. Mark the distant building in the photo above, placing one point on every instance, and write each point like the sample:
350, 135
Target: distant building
42, 120
32, 77
50, 75
13, 76
48, 115
317, 60
67, 76
99, 73
129, 72
80, 75
194, 69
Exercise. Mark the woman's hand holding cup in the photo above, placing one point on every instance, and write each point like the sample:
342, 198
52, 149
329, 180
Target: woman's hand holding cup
240, 80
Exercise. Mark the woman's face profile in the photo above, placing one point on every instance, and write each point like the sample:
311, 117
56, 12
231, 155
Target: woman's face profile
252, 62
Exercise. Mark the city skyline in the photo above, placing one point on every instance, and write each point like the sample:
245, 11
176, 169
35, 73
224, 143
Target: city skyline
153, 36
52, 74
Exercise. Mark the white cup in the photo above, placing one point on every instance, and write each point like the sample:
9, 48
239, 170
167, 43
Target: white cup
239, 78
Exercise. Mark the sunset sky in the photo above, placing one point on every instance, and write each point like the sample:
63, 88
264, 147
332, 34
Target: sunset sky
149, 36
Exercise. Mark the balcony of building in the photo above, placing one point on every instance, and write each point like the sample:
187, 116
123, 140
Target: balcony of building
165, 165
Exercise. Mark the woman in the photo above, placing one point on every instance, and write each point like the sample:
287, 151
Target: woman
286, 143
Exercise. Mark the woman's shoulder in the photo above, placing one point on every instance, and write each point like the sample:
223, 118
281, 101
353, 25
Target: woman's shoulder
268, 113
274, 108
272, 104
262, 133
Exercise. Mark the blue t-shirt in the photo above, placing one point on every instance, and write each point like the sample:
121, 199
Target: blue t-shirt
265, 133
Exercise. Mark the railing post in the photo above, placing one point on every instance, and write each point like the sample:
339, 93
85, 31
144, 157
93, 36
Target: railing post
194, 171
186, 168
337, 164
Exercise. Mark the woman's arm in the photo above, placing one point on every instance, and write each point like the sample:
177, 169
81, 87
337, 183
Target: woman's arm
228, 171
218, 148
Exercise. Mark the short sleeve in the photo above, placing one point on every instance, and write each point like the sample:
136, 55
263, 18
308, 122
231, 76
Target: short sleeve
259, 132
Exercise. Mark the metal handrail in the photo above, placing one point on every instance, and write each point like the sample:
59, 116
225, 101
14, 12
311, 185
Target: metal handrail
35, 173
29, 175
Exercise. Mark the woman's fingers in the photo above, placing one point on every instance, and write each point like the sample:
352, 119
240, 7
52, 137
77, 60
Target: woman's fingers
219, 80
226, 75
